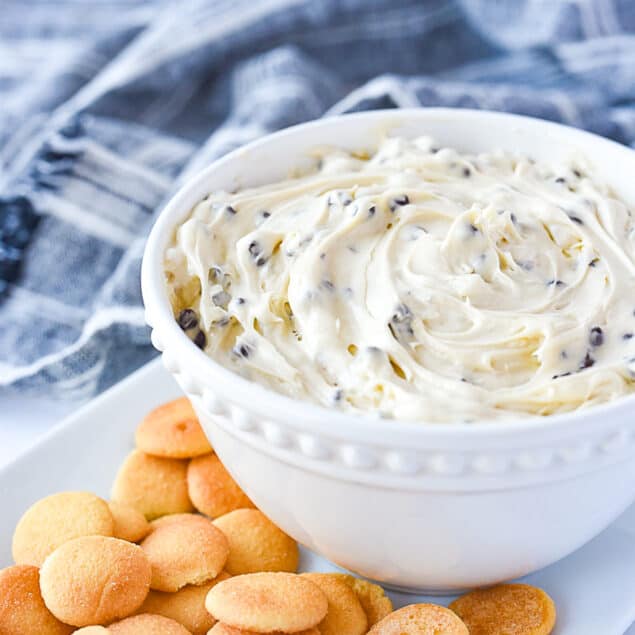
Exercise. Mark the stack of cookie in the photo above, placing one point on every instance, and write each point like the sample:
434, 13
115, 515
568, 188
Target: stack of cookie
181, 549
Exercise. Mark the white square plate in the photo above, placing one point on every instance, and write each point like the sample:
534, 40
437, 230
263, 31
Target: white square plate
594, 589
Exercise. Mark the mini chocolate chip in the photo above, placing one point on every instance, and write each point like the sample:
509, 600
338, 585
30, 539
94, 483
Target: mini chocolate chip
187, 319
327, 284
338, 395
627, 336
371, 210
254, 249
561, 375
221, 299
513, 218
240, 300
594, 262
473, 228
200, 340
576, 219
434, 150
399, 201
558, 283
230, 210
577, 173
596, 337
266, 214
587, 362
261, 261
561, 180
467, 172
244, 350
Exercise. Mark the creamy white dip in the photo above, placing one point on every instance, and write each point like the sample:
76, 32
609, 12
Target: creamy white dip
419, 284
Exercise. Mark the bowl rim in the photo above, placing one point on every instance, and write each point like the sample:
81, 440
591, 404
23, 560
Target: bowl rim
304, 414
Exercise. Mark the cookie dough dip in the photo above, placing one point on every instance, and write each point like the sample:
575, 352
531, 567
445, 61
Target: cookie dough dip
418, 283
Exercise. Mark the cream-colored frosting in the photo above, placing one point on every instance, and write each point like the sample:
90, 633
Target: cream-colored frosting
417, 284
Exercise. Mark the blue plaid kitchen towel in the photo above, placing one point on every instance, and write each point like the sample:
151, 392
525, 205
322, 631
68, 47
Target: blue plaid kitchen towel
107, 105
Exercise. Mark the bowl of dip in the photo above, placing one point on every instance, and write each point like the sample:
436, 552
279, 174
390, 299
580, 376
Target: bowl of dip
409, 336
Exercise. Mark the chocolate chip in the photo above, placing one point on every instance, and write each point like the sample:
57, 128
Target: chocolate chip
576, 219
337, 396
371, 210
473, 228
254, 249
587, 362
266, 214
327, 284
561, 180
240, 300
596, 337
230, 210
627, 336
557, 283
244, 350
221, 299
513, 218
467, 172
200, 340
399, 201
400, 324
577, 173
187, 319
561, 375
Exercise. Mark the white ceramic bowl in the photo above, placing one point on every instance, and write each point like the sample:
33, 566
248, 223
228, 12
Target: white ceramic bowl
426, 507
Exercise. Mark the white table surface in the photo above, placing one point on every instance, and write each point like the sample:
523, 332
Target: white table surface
23, 420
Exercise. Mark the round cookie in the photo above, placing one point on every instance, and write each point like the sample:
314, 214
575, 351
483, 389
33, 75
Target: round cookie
223, 629
211, 488
53, 520
186, 606
22, 609
171, 518
147, 625
256, 544
510, 609
94, 580
372, 597
266, 602
152, 485
92, 630
129, 524
172, 431
345, 613
420, 619
190, 551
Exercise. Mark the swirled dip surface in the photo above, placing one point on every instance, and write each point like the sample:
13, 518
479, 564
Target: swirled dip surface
417, 284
